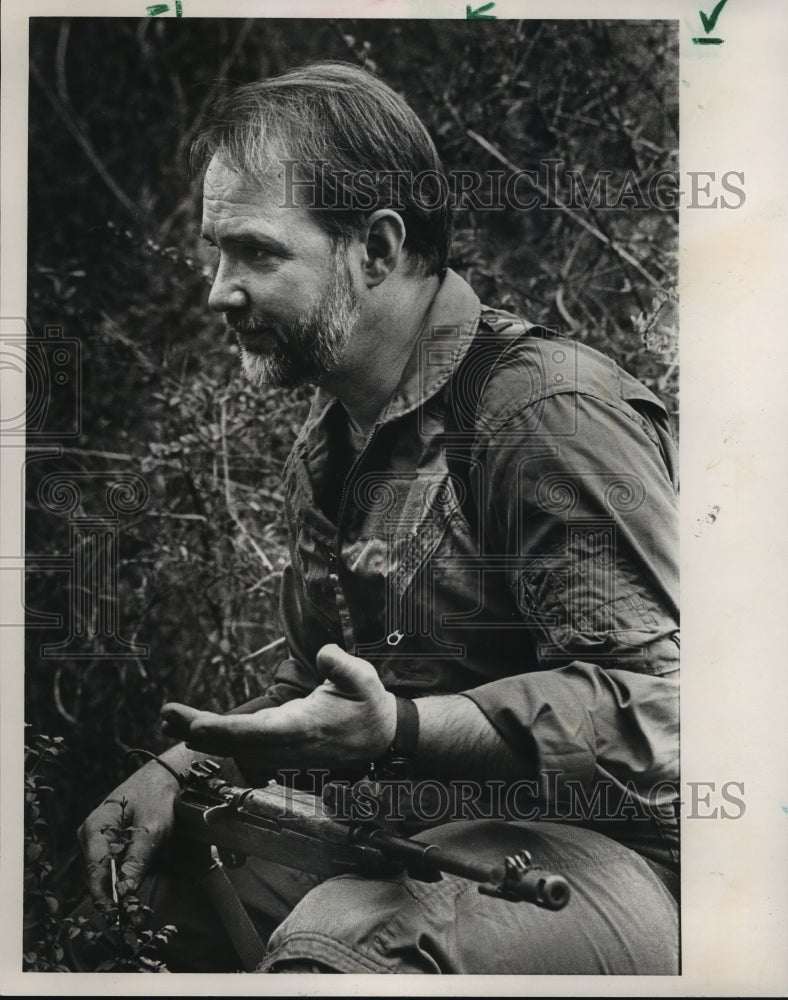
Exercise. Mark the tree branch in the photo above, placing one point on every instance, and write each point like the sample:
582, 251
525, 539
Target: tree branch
574, 216
228, 494
82, 141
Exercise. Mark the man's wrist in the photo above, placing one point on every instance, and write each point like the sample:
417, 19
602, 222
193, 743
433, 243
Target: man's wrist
177, 759
399, 760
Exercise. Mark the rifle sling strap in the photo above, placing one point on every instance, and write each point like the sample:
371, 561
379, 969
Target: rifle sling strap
237, 922
488, 350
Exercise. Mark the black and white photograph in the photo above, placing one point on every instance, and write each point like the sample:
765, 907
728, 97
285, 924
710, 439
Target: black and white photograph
352, 557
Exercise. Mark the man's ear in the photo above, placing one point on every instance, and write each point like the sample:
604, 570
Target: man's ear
383, 238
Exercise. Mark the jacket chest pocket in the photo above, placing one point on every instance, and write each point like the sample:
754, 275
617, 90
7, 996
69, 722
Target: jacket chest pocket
402, 521
420, 529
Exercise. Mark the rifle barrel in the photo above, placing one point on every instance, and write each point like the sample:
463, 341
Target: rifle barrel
529, 885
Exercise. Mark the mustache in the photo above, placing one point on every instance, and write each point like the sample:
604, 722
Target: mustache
244, 323
249, 326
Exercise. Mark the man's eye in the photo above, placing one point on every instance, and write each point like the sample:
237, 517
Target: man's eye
257, 254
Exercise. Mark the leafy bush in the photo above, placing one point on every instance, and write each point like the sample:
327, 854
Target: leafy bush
122, 931
44, 928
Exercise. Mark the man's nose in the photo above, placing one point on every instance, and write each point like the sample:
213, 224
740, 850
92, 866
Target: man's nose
227, 292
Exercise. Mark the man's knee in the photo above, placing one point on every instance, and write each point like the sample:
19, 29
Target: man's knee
619, 920
301, 967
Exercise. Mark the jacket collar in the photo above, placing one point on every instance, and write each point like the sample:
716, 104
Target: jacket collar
446, 335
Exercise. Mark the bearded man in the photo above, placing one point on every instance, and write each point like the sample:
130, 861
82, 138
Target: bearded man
483, 569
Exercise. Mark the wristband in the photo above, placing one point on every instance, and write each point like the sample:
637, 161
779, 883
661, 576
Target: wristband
399, 760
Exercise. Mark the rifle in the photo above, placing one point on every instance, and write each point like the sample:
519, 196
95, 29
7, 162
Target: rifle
291, 827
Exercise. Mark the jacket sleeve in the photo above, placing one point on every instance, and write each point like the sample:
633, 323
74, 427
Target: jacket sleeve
579, 488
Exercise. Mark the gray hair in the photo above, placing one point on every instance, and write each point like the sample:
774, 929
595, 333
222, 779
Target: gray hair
365, 147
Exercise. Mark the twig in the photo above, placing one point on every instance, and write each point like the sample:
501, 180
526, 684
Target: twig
264, 649
635, 139
179, 517
560, 305
112, 330
577, 219
112, 456
606, 313
158, 462
60, 62
218, 81
59, 700
526, 55
228, 494
195, 678
82, 141
665, 378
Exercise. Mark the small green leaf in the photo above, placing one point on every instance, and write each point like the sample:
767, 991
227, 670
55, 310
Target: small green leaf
33, 851
130, 937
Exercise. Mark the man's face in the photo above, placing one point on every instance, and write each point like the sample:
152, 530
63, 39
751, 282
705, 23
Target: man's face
284, 289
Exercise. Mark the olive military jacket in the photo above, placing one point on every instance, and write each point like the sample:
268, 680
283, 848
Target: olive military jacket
507, 532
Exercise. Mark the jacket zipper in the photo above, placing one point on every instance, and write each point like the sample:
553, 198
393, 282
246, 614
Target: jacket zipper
333, 566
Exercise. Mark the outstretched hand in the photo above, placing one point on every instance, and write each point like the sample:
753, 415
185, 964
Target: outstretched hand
349, 719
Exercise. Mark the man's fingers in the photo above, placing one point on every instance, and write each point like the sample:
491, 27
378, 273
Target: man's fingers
134, 862
230, 734
99, 881
212, 733
177, 720
209, 732
350, 674
96, 852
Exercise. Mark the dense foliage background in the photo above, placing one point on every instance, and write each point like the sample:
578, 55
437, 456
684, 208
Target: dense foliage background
115, 264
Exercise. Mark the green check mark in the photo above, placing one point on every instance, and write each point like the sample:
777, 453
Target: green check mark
710, 21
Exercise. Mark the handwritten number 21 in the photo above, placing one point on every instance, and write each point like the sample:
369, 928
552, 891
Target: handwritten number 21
161, 8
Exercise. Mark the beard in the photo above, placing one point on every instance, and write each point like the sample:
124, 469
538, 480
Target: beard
310, 347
